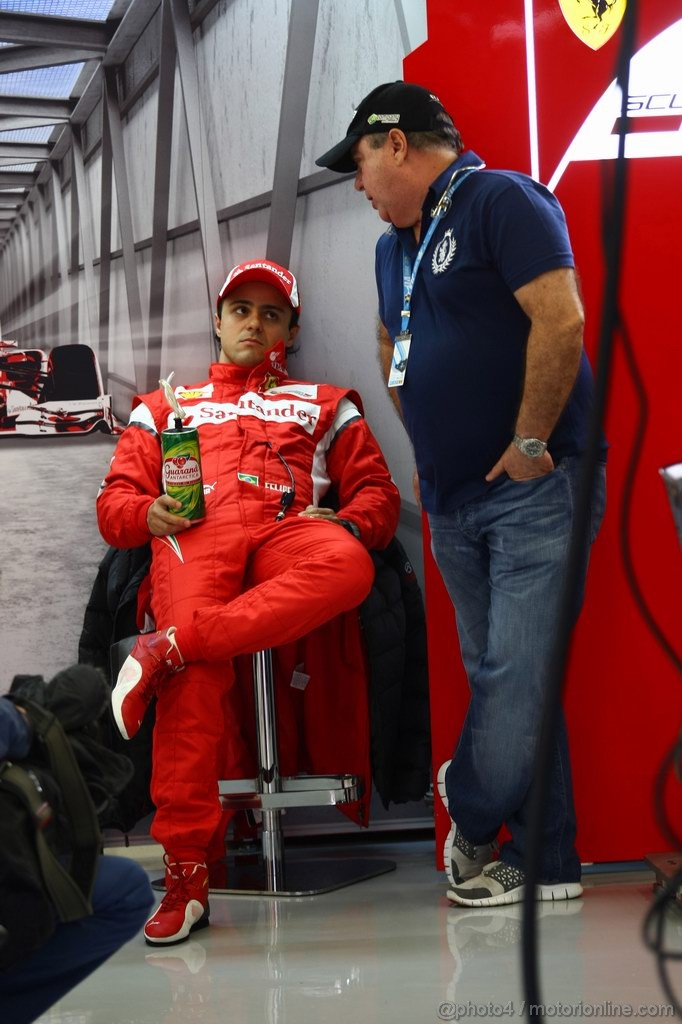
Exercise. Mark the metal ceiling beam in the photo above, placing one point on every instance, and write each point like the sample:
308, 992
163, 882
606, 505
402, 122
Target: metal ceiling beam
66, 39
89, 99
42, 30
21, 152
20, 123
129, 30
131, 26
35, 106
24, 58
126, 34
18, 179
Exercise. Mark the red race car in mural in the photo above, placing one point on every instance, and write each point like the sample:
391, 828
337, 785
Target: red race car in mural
56, 392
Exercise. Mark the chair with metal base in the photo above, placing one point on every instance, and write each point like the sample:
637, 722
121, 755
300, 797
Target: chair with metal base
267, 874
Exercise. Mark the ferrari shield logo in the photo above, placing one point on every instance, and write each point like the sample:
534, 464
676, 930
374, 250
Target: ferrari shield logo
593, 21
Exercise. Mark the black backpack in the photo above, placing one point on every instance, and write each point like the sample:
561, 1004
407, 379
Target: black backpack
52, 804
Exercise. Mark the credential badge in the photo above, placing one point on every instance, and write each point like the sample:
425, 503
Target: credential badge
444, 252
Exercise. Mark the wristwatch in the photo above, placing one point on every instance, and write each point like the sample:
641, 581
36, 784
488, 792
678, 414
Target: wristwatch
351, 527
531, 447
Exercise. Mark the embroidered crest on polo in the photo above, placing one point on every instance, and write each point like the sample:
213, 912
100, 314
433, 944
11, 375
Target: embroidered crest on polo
444, 252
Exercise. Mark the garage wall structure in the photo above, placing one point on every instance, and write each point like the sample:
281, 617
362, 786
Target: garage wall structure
192, 147
184, 142
187, 144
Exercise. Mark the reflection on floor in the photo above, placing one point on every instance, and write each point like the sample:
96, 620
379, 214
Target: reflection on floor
385, 951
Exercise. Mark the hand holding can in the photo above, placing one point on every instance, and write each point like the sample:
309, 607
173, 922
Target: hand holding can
182, 479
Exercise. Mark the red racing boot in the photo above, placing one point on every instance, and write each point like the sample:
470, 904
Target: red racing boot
154, 657
184, 908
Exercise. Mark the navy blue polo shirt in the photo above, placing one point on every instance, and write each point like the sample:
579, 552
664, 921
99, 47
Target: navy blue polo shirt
466, 364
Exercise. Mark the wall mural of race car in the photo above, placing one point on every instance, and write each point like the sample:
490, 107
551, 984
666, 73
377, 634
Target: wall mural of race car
56, 392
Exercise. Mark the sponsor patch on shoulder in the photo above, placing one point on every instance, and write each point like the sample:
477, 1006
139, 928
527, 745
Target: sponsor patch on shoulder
300, 390
188, 394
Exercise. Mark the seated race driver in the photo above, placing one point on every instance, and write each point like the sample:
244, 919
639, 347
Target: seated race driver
267, 564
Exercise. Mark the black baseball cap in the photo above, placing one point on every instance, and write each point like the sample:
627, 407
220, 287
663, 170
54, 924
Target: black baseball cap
392, 105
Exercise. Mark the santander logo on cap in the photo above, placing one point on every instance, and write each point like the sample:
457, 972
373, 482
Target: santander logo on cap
266, 271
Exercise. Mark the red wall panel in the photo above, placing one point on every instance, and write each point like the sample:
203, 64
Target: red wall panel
623, 695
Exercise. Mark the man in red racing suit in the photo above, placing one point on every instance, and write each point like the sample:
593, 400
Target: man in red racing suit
268, 564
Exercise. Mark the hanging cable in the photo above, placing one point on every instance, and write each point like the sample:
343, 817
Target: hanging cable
614, 204
655, 922
626, 504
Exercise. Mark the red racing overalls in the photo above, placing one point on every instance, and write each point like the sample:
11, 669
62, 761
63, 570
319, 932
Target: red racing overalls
245, 578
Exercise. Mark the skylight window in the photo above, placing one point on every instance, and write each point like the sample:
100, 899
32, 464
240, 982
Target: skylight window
91, 10
53, 82
40, 134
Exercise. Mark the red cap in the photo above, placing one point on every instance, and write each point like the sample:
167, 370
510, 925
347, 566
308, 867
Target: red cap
267, 272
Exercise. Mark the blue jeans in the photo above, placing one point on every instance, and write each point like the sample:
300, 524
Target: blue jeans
503, 561
122, 899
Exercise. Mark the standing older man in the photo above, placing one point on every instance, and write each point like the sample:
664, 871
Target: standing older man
481, 343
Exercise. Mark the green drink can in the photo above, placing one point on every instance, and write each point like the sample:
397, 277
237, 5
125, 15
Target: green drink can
182, 471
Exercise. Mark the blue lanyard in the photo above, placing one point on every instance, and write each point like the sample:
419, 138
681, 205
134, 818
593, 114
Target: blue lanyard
441, 208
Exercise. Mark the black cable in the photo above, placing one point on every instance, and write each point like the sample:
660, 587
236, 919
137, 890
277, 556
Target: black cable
579, 535
668, 893
656, 915
628, 488
671, 760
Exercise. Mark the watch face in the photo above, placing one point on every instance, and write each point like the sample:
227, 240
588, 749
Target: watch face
534, 448
530, 446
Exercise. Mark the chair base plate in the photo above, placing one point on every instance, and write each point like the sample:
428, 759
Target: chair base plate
245, 875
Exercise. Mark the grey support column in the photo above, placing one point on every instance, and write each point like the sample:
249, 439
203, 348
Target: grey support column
53, 266
44, 272
74, 260
106, 202
60, 250
295, 90
86, 230
18, 270
162, 168
198, 151
125, 219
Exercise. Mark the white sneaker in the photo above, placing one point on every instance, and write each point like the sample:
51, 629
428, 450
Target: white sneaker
500, 883
462, 859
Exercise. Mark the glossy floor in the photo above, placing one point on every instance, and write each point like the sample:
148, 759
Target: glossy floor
389, 950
